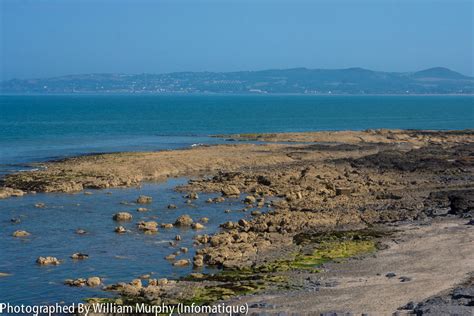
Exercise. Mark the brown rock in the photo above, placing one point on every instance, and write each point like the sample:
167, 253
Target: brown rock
21, 233
184, 220
93, 281
181, 263
47, 261
143, 199
230, 190
122, 216
197, 226
79, 256
120, 230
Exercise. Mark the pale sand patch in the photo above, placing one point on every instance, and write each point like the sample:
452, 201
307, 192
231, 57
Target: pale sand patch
435, 257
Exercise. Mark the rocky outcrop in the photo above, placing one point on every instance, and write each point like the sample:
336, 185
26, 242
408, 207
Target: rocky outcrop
6, 192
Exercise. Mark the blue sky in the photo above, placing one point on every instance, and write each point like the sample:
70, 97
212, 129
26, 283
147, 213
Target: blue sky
41, 38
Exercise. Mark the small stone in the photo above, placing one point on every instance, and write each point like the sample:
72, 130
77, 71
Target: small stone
47, 261
79, 256
162, 281
227, 211
255, 213
40, 205
21, 233
172, 206
88, 193
192, 196
204, 220
170, 257
183, 249
197, 226
143, 199
184, 220
390, 275
142, 209
150, 226
177, 237
81, 232
196, 275
181, 263
144, 276
167, 225
136, 283
249, 199
122, 216
15, 220
405, 279
120, 230
93, 281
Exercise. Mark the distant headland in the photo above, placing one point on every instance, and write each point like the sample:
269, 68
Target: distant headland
436, 80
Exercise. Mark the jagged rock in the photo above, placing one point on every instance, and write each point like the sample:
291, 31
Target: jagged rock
123, 216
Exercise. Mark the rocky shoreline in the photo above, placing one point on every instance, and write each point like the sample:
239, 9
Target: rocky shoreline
316, 198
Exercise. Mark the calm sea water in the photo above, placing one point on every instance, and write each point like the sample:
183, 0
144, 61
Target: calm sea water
34, 128
38, 128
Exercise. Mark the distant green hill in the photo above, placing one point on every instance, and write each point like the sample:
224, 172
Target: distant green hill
297, 80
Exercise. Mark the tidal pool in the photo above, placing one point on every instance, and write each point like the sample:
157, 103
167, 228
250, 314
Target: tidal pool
113, 257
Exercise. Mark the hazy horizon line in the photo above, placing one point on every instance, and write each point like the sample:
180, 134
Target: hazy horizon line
225, 71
